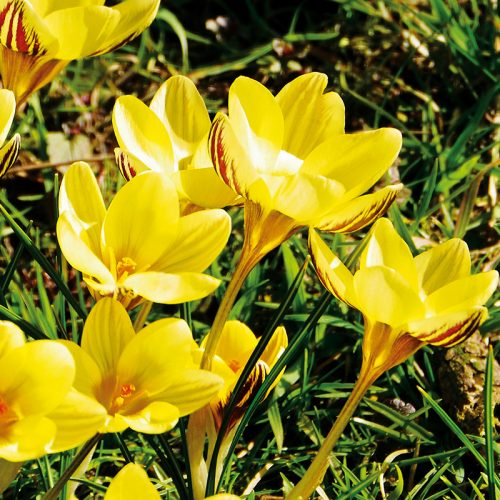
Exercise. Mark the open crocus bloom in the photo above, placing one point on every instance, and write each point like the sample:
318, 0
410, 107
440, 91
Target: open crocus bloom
140, 248
39, 37
144, 380
39, 411
406, 301
170, 137
9, 151
289, 157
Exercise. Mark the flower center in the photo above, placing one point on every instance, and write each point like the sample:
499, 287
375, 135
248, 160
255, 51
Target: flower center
125, 267
234, 365
7, 416
125, 392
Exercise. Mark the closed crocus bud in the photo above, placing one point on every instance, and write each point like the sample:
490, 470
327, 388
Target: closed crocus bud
39, 38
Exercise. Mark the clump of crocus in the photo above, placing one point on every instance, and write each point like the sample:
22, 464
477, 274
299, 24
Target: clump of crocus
170, 136
140, 247
38, 39
9, 151
290, 160
39, 410
406, 302
145, 380
236, 345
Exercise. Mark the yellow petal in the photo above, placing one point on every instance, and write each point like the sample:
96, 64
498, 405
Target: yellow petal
357, 161
7, 112
336, 278
11, 336
383, 295
274, 349
182, 110
22, 29
107, 331
77, 419
191, 390
304, 197
78, 254
22, 386
360, 212
310, 116
204, 188
142, 219
386, 248
156, 355
257, 121
156, 418
201, 238
447, 330
463, 293
88, 378
235, 345
442, 264
167, 288
9, 154
230, 160
140, 132
27, 439
131, 483
80, 194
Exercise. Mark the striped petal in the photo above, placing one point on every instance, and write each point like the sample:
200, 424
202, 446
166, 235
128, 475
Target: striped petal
257, 122
336, 278
22, 29
447, 330
167, 288
357, 161
443, 264
360, 212
181, 109
229, 158
128, 164
141, 132
310, 116
9, 154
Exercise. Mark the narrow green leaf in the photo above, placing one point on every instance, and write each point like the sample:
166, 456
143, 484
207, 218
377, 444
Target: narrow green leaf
489, 425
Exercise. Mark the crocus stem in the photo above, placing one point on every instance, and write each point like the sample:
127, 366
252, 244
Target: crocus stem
53, 493
247, 262
314, 475
142, 315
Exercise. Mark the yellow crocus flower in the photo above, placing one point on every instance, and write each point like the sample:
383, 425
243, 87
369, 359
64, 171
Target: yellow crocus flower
132, 482
145, 380
38, 38
140, 247
170, 136
237, 342
290, 160
9, 151
407, 302
39, 410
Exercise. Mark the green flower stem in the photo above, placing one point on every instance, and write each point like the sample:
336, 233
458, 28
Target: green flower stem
247, 262
53, 493
314, 475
